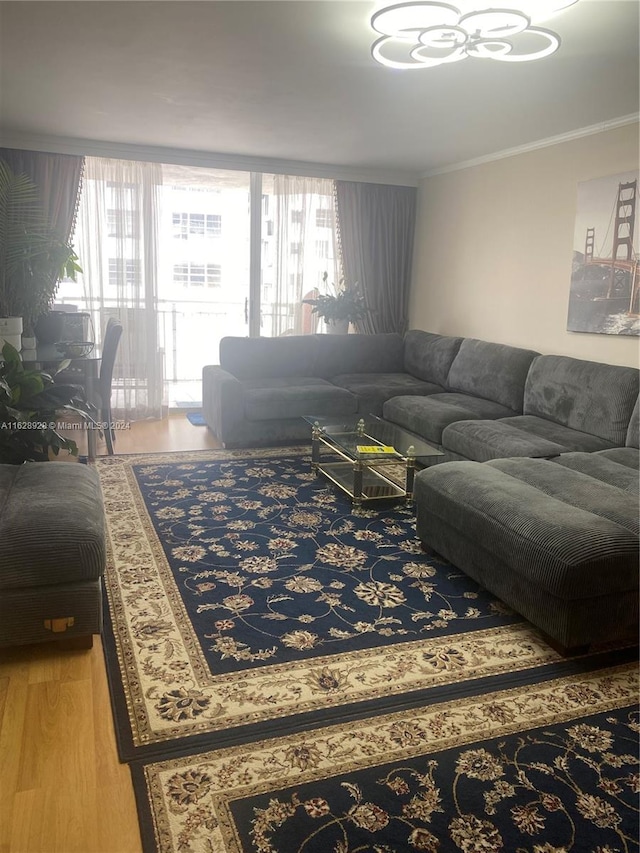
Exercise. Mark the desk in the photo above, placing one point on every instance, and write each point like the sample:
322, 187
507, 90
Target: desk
83, 371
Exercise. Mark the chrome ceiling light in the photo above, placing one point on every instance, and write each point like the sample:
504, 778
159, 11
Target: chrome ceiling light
425, 34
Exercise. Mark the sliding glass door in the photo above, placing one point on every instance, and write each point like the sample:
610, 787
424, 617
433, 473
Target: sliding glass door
299, 245
185, 255
203, 287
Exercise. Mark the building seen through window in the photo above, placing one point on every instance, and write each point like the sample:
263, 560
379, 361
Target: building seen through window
188, 265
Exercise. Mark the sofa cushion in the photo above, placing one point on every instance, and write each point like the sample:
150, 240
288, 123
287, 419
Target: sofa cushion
340, 354
628, 456
44, 544
588, 396
268, 399
485, 440
260, 358
633, 430
430, 356
428, 416
573, 439
522, 435
600, 467
575, 487
372, 389
493, 371
311, 355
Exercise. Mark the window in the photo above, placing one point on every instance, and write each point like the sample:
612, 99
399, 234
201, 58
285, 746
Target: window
295, 248
322, 248
120, 223
297, 217
197, 224
198, 275
324, 218
124, 271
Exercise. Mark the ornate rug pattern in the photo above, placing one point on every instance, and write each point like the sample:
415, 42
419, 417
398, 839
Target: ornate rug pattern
550, 768
247, 598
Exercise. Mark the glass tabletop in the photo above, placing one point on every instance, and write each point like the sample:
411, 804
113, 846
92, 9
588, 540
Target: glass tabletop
371, 437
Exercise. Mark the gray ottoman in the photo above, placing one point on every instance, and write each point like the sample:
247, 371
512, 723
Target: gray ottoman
52, 553
557, 544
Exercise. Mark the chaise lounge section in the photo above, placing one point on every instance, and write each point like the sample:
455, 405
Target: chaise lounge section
557, 540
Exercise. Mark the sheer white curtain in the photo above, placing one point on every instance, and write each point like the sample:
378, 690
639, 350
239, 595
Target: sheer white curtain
117, 241
305, 248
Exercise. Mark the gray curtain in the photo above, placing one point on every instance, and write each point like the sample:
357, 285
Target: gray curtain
59, 180
376, 226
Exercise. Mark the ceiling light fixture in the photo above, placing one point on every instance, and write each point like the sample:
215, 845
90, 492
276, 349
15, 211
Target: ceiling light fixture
425, 34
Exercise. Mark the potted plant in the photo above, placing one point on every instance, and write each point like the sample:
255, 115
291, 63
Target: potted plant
345, 305
33, 257
30, 405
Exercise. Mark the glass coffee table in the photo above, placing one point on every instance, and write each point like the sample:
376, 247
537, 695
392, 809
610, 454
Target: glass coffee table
368, 447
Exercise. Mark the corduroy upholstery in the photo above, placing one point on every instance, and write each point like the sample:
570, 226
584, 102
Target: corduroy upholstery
430, 416
262, 386
472, 399
569, 403
52, 552
556, 542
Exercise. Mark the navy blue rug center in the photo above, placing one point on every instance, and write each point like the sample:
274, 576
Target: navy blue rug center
273, 565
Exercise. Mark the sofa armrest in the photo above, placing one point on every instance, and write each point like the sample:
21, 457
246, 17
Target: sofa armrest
222, 401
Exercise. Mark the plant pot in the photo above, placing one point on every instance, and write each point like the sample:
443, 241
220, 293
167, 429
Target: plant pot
10, 326
11, 332
337, 327
50, 327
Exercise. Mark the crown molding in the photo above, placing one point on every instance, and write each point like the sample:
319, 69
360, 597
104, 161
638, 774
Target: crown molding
633, 118
187, 157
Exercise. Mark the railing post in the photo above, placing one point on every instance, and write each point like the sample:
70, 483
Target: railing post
174, 340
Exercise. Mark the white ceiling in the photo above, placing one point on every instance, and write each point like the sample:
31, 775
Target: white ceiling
295, 80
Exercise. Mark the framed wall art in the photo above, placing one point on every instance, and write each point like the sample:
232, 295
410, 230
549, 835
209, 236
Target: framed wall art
604, 296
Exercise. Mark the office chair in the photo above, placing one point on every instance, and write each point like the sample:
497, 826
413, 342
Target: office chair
110, 345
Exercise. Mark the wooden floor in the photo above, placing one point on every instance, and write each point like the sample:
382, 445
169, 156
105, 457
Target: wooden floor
62, 789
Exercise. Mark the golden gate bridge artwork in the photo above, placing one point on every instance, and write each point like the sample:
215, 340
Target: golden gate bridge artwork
605, 284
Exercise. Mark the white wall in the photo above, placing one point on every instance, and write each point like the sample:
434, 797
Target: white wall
494, 246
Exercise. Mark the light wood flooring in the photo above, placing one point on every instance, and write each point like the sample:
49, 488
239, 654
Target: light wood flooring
62, 788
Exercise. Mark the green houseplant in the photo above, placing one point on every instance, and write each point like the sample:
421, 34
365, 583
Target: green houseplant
345, 305
30, 405
33, 257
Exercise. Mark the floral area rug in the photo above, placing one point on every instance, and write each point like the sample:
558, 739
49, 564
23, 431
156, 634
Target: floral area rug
248, 600
550, 768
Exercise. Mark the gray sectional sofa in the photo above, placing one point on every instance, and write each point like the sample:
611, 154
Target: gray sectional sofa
538, 496
262, 386
472, 399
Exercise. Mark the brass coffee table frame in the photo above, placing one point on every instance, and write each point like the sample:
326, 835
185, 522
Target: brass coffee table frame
361, 474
